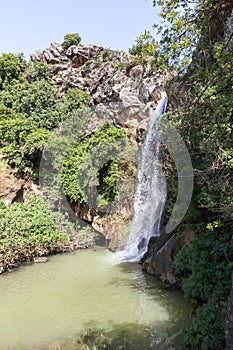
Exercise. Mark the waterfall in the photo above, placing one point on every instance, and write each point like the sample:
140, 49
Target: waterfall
151, 191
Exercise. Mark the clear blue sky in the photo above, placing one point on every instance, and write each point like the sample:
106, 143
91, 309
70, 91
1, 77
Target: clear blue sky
28, 25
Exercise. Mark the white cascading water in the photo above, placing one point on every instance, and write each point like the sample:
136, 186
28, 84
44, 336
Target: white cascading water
150, 194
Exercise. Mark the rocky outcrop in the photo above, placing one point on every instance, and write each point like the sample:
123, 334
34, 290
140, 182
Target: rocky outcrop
115, 83
13, 189
114, 227
159, 259
109, 76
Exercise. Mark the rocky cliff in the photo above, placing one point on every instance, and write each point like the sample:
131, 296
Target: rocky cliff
108, 76
117, 82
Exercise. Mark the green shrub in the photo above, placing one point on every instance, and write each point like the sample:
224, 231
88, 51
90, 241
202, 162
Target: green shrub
37, 71
87, 157
71, 39
144, 48
27, 230
20, 139
37, 101
74, 101
205, 271
11, 68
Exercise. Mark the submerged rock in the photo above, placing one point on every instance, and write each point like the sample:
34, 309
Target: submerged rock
40, 259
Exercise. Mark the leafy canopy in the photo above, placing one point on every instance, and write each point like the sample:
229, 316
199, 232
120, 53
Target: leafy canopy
27, 230
188, 26
71, 39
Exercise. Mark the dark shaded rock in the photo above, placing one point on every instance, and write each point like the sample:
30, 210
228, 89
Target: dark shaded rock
160, 262
159, 259
142, 244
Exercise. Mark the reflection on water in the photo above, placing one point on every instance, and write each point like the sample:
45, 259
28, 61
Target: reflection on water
82, 290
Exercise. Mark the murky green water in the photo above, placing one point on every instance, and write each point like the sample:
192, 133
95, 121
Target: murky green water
41, 303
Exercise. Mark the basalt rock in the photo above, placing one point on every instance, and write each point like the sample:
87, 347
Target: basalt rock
159, 259
107, 75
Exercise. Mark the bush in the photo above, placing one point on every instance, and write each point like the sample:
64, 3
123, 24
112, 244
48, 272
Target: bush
205, 270
11, 68
71, 39
27, 230
88, 162
37, 71
20, 140
144, 48
74, 101
37, 101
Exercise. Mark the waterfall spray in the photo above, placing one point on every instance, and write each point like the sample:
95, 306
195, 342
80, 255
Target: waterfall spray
151, 191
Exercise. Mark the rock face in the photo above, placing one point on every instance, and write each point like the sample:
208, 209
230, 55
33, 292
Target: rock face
115, 83
109, 76
159, 260
13, 189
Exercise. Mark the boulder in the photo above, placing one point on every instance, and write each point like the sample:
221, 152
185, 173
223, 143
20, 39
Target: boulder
114, 227
40, 259
11, 188
159, 259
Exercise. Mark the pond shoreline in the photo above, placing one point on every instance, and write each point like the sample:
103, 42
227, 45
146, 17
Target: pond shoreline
83, 299
40, 253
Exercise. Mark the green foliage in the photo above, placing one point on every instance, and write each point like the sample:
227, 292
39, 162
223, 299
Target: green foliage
37, 71
206, 119
144, 45
37, 101
29, 109
88, 161
205, 270
144, 48
20, 139
27, 230
71, 39
195, 47
207, 331
11, 68
188, 26
74, 101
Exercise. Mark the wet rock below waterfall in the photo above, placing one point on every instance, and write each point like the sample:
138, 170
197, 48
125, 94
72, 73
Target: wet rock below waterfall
159, 259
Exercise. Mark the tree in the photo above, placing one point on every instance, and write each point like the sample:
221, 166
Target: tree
144, 47
188, 26
197, 49
11, 67
71, 39
37, 101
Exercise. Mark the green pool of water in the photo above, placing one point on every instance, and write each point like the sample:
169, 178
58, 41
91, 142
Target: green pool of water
42, 303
